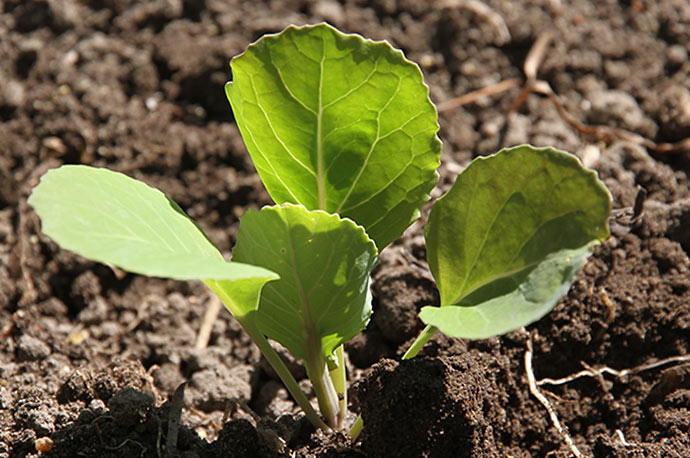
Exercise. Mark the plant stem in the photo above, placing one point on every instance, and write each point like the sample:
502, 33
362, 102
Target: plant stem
356, 428
290, 383
419, 342
325, 394
320, 378
339, 378
248, 321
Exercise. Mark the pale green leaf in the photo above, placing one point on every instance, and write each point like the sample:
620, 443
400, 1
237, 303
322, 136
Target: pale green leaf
324, 262
505, 223
338, 123
510, 302
240, 297
111, 218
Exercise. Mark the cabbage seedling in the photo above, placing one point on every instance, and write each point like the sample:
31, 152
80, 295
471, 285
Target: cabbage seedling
336, 125
505, 242
111, 218
344, 137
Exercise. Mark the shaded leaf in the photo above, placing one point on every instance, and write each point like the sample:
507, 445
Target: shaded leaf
510, 302
513, 229
324, 262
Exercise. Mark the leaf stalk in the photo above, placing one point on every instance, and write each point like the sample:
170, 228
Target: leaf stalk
290, 383
248, 322
339, 378
325, 390
420, 341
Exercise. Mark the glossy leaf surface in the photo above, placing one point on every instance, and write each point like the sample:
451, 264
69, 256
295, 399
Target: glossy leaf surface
338, 123
512, 301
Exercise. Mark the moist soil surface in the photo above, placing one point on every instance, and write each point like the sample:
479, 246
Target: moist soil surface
90, 357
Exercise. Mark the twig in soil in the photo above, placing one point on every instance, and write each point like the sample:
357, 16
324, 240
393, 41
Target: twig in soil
599, 377
533, 85
473, 96
484, 11
616, 373
606, 133
176, 404
213, 308
621, 438
545, 402
536, 54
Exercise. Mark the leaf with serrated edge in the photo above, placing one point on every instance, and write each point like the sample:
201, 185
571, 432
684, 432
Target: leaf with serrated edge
505, 242
109, 217
324, 263
338, 123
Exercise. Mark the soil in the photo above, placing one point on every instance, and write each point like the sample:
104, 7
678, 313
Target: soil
90, 357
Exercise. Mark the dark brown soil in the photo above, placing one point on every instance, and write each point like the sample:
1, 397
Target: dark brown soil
90, 357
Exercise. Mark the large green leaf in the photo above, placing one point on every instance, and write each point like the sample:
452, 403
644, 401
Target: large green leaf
505, 242
338, 123
111, 218
324, 262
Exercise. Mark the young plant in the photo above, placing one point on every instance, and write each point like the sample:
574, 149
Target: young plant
343, 135
111, 218
336, 125
505, 242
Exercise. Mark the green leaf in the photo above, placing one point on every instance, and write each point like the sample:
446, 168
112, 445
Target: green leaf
338, 123
111, 218
505, 242
324, 262
510, 302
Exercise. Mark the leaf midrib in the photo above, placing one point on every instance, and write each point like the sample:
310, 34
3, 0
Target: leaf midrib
320, 180
307, 320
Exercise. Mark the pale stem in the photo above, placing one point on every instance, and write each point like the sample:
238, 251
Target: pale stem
247, 321
356, 428
317, 370
339, 378
419, 342
290, 383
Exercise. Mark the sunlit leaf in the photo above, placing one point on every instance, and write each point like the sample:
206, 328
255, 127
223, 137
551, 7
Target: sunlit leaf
109, 217
339, 123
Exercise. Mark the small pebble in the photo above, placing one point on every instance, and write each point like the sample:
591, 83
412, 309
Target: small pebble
97, 406
330, 10
676, 55
43, 444
31, 349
